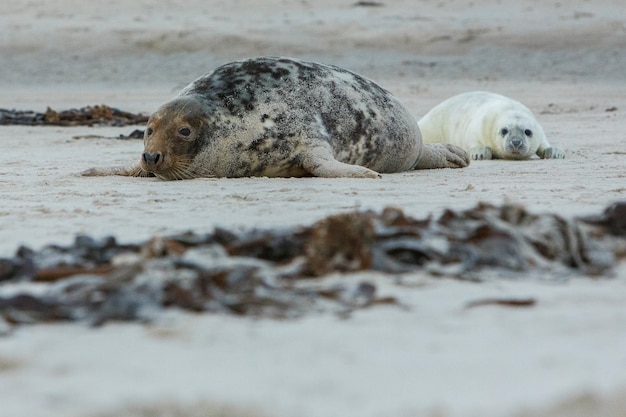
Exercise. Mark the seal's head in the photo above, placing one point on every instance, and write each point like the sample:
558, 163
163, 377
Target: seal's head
516, 137
173, 137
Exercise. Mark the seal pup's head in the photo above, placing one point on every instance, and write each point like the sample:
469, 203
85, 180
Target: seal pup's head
515, 136
173, 137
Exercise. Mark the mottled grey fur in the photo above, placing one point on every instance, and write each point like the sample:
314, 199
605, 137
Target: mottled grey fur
285, 117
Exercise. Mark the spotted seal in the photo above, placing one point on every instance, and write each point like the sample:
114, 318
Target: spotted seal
283, 117
487, 125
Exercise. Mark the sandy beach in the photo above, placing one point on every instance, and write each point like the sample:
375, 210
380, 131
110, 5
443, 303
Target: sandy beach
564, 356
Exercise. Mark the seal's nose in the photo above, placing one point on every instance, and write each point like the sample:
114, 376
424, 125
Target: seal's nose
517, 143
152, 159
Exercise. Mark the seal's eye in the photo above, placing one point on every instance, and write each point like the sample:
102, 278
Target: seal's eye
504, 131
184, 131
149, 131
528, 132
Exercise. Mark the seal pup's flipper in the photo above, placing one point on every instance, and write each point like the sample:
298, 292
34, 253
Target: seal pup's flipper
480, 153
551, 153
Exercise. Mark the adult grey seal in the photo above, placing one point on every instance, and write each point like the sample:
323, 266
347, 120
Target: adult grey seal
487, 125
282, 117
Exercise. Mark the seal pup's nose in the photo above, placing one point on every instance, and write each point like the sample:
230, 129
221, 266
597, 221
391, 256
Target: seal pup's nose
517, 143
152, 159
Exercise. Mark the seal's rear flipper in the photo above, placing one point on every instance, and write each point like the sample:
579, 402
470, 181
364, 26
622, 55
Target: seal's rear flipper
440, 155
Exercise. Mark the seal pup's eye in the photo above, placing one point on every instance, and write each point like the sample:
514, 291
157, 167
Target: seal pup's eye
184, 131
528, 132
149, 131
504, 131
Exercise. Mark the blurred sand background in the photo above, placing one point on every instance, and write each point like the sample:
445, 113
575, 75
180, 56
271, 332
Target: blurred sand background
564, 60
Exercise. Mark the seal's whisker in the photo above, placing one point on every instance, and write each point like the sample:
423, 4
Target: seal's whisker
184, 171
179, 169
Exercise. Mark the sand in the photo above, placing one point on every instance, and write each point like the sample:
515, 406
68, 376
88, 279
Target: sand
565, 61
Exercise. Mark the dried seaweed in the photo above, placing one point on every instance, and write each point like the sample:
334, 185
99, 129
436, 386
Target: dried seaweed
503, 302
279, 273
98, 115
135, 134
368, 4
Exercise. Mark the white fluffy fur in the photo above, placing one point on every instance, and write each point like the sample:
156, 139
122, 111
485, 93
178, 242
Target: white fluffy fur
475, 121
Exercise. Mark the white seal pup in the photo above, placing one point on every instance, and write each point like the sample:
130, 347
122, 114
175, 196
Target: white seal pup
487, 125
282, 117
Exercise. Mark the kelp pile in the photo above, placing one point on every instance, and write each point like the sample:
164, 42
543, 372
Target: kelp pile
282, 273
98, 115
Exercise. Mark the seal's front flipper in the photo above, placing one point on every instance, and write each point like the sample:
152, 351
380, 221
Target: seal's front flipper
551, 153
320, 162
479, 153
132, 171
439, 155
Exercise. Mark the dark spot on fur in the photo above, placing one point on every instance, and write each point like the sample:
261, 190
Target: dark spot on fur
256, 144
